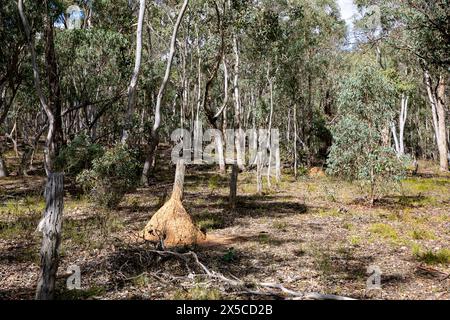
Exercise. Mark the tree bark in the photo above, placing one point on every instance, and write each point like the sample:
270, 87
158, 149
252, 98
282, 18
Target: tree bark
50, 226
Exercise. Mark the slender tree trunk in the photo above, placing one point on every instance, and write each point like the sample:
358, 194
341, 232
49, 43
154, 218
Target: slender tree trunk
295, 141
51, 223
178, 185
154, 137
402, 123
441, 112
3, 169
135, 76
55, 141
233, 186
25, 161
237, 105
259, 185
220, 152
52, 109
269, 166
50, 226
276, 146
394, 135
438, 102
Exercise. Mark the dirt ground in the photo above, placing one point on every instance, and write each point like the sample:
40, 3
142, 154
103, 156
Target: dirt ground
315, 234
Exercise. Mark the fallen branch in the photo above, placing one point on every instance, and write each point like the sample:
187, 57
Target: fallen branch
242, 285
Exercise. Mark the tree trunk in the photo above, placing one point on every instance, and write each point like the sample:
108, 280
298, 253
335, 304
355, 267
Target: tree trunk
237, 107
295, 141
220, 152
259, 184
394, 135
25, 161
233, 186
402, 123
149, 160
3, 169
269, 166
50, 226
52, 108
135, 76
178, 185
154, 137
275, 145
437, 98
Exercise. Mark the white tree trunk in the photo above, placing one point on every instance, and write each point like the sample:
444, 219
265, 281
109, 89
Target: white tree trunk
50, 226
237, 104
269, 165
135, 76
402, 123
157, 122
394, 134
3, 168
436, 96
259, 184
220, 152
295, 141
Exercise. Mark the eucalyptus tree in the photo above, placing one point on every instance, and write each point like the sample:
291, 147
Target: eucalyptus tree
421, 28
365, 107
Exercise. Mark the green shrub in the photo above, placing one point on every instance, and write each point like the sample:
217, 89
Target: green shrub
78, 155
111, 177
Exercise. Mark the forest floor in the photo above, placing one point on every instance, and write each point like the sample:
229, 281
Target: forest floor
315, 234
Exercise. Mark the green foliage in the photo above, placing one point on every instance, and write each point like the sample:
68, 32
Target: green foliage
111, 177
359, 151
78, 155
230, 255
